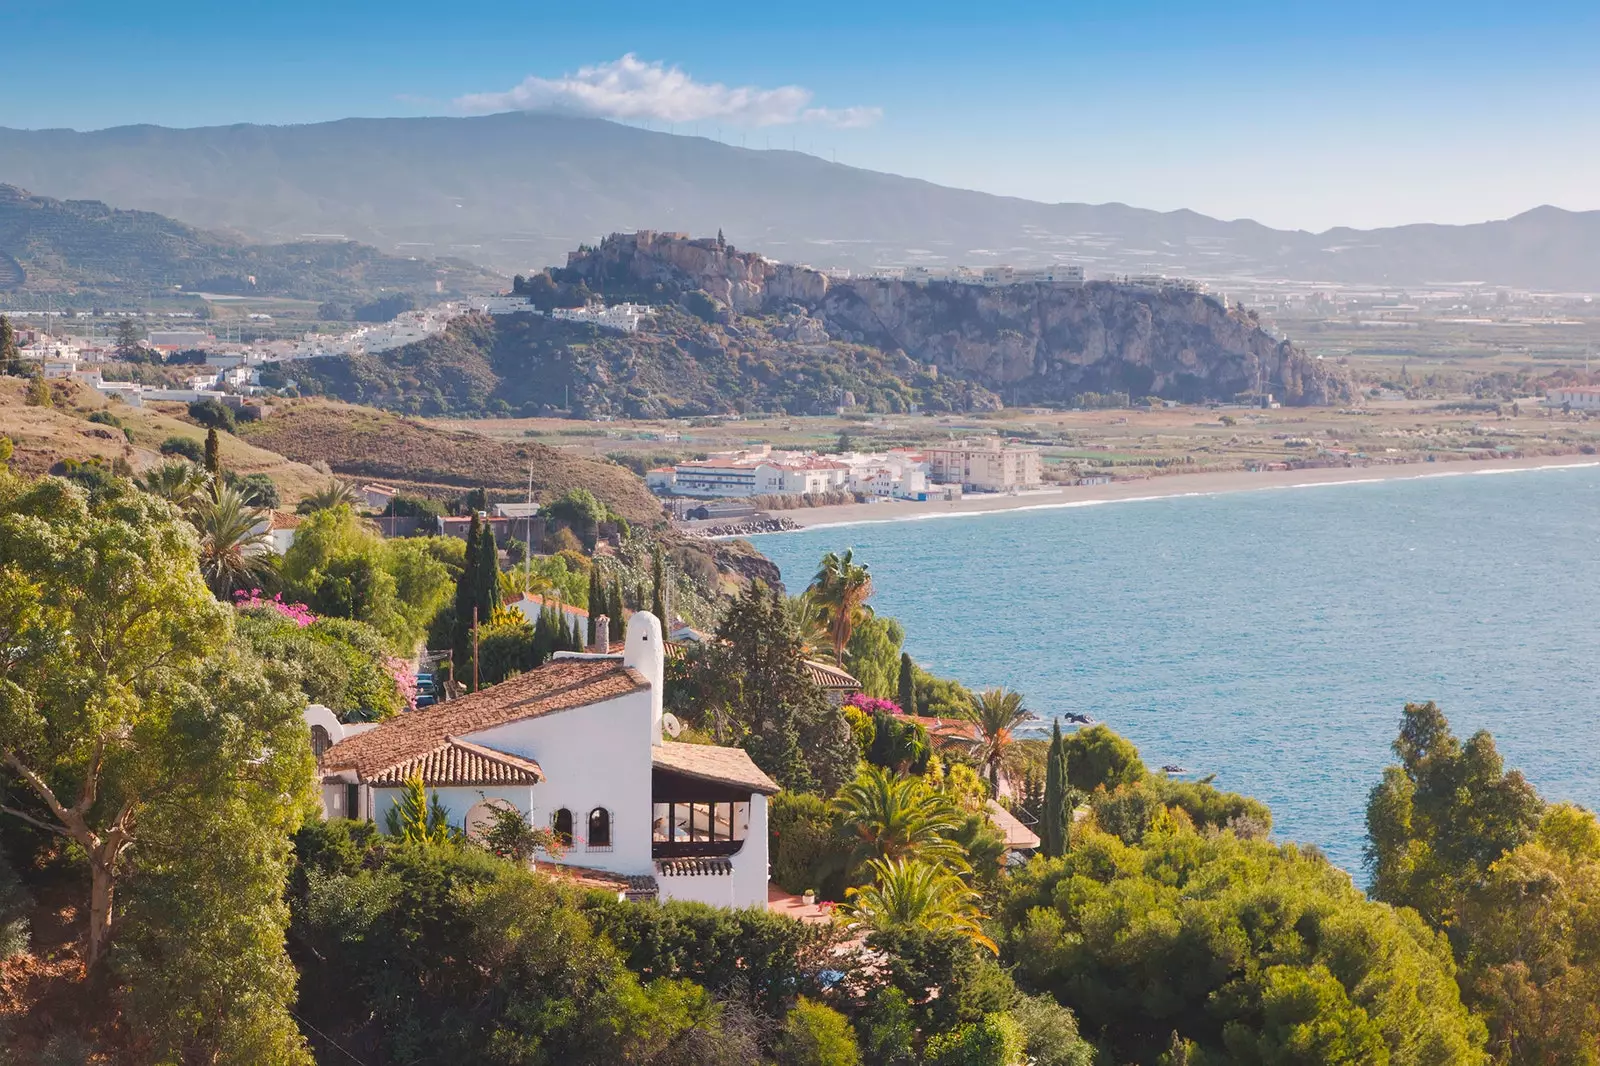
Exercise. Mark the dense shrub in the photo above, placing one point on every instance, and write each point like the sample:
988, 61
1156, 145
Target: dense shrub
815, 1034
212, 413
187, 447
806, 849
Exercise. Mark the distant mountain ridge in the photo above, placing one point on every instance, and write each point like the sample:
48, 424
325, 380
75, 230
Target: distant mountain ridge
86, 248
514, 191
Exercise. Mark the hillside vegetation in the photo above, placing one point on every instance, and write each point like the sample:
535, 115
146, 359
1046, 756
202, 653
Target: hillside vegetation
360, 443
84, 247
678, 366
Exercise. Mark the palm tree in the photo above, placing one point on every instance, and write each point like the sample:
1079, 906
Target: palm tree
810, 624
997, 713
897, 816
906, 894
233, 540
178, 482
328, 497
841, 588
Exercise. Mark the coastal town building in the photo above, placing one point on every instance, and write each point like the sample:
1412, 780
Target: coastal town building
581, 746
986, 464
761, 471
1574, 397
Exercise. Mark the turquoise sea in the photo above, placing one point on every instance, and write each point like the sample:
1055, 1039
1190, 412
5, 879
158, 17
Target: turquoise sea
1272, 637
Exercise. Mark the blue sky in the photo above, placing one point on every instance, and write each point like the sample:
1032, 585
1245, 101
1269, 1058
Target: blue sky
1298, 115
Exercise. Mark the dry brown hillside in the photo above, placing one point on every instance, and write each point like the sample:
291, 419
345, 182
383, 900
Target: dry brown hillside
44, 436
361, 443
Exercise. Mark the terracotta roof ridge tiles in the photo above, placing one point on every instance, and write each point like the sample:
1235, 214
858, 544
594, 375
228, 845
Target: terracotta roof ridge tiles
707, 762
559, 685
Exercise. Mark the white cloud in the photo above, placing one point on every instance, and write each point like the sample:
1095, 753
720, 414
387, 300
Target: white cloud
630, 88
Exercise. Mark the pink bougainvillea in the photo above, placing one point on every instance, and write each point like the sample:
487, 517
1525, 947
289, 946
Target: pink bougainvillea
298, 613
872, 705
404, 679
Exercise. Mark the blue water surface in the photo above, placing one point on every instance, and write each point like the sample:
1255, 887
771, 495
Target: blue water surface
1272, 637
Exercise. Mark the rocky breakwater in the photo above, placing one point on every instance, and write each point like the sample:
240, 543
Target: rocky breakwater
1029, 342
744, 527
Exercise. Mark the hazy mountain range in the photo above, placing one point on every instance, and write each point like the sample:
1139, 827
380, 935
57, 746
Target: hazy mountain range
517, 191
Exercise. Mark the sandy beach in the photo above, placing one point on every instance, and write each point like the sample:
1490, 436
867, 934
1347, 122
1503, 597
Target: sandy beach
1171, 485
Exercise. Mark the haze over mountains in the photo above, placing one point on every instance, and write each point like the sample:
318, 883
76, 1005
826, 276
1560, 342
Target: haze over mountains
517, 191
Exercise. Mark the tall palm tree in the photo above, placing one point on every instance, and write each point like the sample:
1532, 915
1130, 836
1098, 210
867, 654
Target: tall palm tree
906, 894
810, 624
328, 497
841, 588
179, 482
233, 540
897, 816
997, 713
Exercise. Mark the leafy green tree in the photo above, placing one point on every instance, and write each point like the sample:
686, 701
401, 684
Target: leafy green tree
997, 715
1440, 819
815, 1034
184, 447
1057, 818
892, 816
340, 566
1256, 953
842, 587
873, 654
997, 1040
899, 744
906, 688
233, 540
1050, 1032
337, 662
1098, 757
805, 851
259, 489
38, 394
104, 745
10, 358
213, 414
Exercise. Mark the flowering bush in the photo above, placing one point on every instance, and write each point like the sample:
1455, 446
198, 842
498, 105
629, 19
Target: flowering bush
404, 679
298, 613
873, 705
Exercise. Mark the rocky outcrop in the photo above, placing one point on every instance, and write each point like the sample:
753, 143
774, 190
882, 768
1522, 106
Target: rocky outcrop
1031, 343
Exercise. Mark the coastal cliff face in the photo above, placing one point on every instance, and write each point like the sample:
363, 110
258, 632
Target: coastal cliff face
1027, 342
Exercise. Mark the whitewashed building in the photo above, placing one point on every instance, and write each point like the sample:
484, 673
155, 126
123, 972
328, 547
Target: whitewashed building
576, 745
1576, 397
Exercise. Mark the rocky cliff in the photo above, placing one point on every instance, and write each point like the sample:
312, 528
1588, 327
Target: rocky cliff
1031, 343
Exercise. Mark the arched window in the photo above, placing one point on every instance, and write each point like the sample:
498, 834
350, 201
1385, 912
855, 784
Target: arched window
599, 828
561, 822
320, 740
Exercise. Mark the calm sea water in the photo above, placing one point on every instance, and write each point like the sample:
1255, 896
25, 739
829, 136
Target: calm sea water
1272, 637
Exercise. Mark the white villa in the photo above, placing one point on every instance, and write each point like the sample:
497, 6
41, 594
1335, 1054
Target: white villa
576, 745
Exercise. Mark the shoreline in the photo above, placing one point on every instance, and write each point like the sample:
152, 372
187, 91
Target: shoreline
1155, 488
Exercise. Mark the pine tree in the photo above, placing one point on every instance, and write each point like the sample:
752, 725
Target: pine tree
619, 623
596, 605
908, 685
658, 596
1057, 815
213, 455
466, 599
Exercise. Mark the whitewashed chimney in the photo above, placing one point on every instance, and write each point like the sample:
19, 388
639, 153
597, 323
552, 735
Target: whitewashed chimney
602, 635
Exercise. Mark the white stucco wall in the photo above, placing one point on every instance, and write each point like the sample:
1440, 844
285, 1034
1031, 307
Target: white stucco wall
715, 889
457, 801
750, 864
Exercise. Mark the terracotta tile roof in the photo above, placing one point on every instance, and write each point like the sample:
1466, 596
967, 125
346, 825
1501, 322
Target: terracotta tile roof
634, 886
1018, 836
947, 728
691, 867
457, 762
559, 685
725, 766
284, 520
826, 675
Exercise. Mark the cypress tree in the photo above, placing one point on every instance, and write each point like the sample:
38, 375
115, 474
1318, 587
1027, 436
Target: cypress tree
466, 599
597, 602
487, 594
213, 454
577, 644
1057, 815
908, 685
658, 596
619, 623
10, 358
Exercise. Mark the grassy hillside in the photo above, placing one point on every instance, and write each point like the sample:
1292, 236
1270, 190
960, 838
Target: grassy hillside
85, 247
680, 366
44, 436
360, 443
